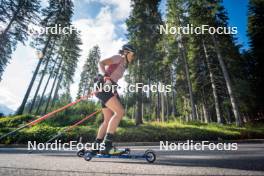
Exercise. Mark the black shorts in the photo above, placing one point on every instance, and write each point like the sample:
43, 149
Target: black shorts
105, 96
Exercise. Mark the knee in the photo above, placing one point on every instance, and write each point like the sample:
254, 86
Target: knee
120, 113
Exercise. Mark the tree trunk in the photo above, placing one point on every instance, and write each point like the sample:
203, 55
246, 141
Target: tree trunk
139, 97
217, 108
53, 85
39, 84
55, 96
174, 111
138, 114
158, 105
167, 106
22, 106
185, 109
162, 107
44, 90
228, 115
173, 99
196, 111
142, 110
201, 113
182, 49
150, 101
228, 82
134, 111
205, 114
41, 79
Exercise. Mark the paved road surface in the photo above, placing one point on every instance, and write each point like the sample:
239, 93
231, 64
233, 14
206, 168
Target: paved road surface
247, 160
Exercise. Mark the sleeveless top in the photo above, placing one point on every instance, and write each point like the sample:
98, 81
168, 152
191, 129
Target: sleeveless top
117, 68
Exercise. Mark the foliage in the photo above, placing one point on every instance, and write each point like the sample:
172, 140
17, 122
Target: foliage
254, 58
212, 78
14, 121
148, 132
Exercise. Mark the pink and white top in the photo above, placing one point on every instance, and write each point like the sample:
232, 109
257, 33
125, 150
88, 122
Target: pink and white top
117, 69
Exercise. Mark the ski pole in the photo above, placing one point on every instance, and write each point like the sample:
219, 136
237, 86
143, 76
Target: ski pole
70, 127
47, 115
74, 125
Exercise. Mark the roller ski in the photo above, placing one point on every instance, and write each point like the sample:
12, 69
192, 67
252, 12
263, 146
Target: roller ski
149, 155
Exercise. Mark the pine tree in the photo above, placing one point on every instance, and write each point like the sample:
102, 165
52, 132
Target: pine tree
69, 53
143, 33
42, 74
42, 97
90, 70
57, 13
15, 17
205, 72
178, 44
256, 37
215, 15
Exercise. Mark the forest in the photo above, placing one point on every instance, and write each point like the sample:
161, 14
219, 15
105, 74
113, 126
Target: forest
217, 87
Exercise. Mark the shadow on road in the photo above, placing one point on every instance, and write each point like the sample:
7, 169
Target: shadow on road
245, 163
251, 164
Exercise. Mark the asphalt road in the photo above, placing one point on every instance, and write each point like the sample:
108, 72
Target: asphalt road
247, 160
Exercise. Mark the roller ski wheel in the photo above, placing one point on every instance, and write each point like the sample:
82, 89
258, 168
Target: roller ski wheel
127, 151
80, 153
88, 156
150, 156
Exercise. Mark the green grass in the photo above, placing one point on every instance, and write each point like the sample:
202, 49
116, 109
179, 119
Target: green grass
128, 132
13, 121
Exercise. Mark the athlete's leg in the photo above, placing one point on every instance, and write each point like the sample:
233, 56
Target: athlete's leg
115, 106
103, 127
107, 113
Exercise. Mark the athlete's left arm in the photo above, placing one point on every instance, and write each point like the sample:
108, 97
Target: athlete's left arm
104, 63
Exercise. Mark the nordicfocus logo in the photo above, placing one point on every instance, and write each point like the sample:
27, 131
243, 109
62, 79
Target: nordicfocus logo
138, 87
203, 145
55, 30
191, 29
57, 145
